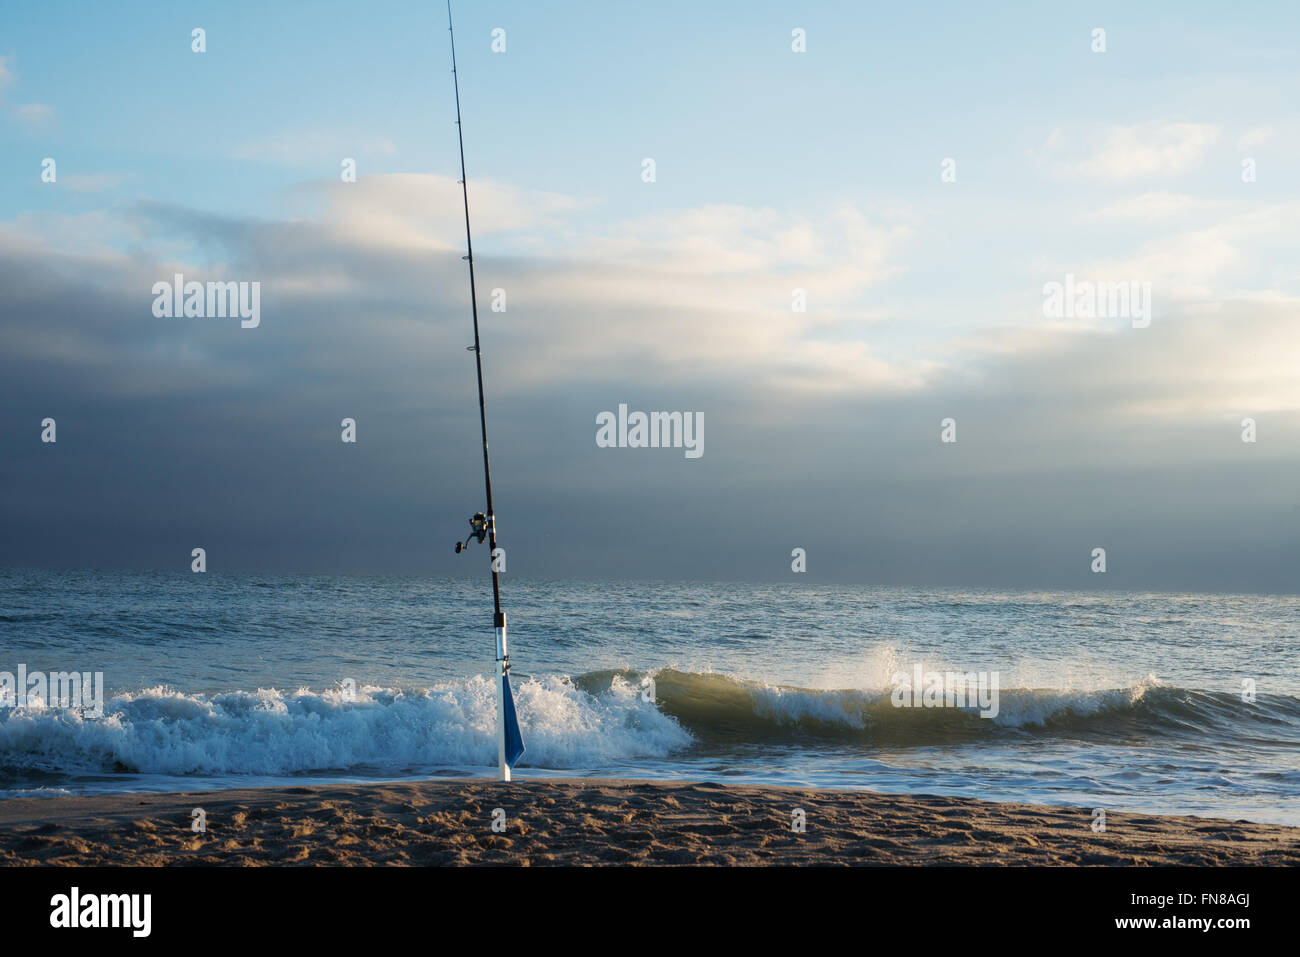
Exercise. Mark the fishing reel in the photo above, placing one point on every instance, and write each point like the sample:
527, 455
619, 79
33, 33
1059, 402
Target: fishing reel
478, 526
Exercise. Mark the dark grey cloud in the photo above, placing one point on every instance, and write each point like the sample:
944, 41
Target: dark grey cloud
175, 433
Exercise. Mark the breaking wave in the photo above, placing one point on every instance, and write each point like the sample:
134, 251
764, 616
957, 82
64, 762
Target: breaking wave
594, 720
718, 708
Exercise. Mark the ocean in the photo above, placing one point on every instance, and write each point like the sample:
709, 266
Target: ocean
1157, 703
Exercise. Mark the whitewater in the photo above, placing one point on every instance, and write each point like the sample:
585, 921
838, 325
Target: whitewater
1159, 703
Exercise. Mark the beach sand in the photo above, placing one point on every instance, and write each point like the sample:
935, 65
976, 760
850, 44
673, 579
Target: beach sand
595, 821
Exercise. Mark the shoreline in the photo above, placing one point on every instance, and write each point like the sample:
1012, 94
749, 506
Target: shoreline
595, 821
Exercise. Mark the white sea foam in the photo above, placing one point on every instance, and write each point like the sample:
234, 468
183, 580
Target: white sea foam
272, 732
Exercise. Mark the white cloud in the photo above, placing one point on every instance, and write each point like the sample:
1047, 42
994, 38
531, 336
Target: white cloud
1256, 136
1234, 257
1154, 207
89, 182
1129, 152
305, 148
29, 114
34, 114
703, 294
1202, 363
423, 211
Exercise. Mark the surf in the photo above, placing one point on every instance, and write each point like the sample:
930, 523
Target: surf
718, 708
597, 719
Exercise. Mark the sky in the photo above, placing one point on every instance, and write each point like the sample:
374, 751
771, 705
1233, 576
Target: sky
920, 173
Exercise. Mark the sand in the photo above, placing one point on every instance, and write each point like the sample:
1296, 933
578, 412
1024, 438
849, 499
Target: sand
595, 821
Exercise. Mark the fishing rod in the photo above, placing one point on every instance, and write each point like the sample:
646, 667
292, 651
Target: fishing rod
510, 743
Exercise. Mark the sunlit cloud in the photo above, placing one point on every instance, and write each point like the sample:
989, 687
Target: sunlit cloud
1129, 152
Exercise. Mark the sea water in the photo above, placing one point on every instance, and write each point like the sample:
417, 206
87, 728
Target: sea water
1157, 703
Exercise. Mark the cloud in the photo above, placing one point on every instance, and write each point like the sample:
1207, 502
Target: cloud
620, 302
418, 211
90, 182
1234, 256
34, 114
1155, 207
28, 114
308, 148
1256, 136
365, 321
1200, 363
1131, 152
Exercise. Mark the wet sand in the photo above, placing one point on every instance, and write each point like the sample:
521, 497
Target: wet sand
596, 822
